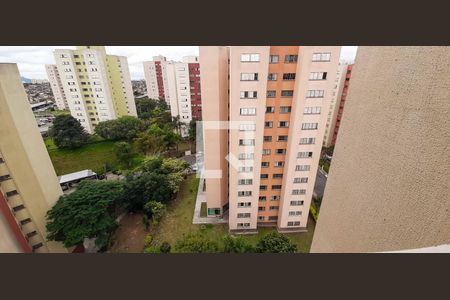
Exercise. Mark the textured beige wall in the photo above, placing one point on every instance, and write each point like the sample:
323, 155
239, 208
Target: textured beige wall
388, 187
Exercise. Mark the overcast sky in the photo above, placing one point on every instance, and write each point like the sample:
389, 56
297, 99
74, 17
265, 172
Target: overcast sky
31, 59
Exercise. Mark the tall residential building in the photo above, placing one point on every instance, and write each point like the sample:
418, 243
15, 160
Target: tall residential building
334, 105
28, 183
97, 86
388, 187
178, 83
343, 96
57, 86
276, 99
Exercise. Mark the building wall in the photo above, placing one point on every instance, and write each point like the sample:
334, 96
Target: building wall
32, 187
340, 111
56, 86
214, 67
8, 242
388, 186
151, 79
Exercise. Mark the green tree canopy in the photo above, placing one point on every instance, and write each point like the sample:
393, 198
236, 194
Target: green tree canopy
275, 242
236, 244
196, 243
67, 132
124, 153
123, 128
88, 212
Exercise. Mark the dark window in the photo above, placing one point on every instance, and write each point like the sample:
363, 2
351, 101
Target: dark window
271, 94
289, 76
19, 207
4, 177
290, 59
288, 93
25, 221
11, 193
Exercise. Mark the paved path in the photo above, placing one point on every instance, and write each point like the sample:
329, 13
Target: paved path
201, 198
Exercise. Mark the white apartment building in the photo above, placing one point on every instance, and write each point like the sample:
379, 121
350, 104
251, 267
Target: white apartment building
57, 86
97, 86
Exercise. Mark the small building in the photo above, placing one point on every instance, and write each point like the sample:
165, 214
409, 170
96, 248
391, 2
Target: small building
67, 180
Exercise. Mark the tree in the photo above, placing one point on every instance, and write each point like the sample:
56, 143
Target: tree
67, 132
275, 242
89, 212
196, 243
177, 124
152, 141
238, 244
192, 131
165, 247
123, 128
124, 153
154, 209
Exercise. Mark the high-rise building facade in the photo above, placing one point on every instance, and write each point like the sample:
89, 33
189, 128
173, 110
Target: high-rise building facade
28, 183
178, 83
57, 86
97, 86
343, 97
388, 187
277, 100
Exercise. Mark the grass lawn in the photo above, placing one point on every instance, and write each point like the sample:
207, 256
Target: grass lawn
203, 210
178, 221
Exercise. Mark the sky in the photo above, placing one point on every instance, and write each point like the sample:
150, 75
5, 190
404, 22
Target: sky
31, 60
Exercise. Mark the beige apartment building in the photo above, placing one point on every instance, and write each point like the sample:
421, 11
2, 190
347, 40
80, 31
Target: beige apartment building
97, 85
57, 87
28, 183
264, 112
388, 187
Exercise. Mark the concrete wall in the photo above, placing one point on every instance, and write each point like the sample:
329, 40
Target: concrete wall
388, 187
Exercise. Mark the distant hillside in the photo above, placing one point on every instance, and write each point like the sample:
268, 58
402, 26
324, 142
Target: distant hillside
25, 80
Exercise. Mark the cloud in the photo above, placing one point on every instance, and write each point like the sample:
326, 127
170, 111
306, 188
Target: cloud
31, 60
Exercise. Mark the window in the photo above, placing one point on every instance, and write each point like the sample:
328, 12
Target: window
1, 160
245, 169
247, 127
314, 94
260, 218
280, 151
25, 221
302, 167
274, 207
261, 208
275, 198
251, 111
11, 193
274, 59
5, 177
249, 94
295, 223
264, 176
271, 94
244, 204
272, 77
63, 56
295, 213
245, 181
243, 225
276, 187
18, 207
67, 70
249, 76
244, 193
321, 56
299, 192
243, 215
245, 156
266, 152
285, 109
306, 154
278, 164
268, 124
296, 203
282, 138
283, 124
248, 142
289, 76
307, 141
273, 218
264, 164
263, 187
250, 57
262, 198
318, 76
270, 109
288, 59
312, 110
277, 176
310, 126
287, 93
301, 180
267, 138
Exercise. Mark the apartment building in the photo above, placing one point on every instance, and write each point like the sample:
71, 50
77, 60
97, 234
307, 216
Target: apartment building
334, 105
28, 183
178, 83
277, 100
388, 187
343, 96
97, 85
57, 87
